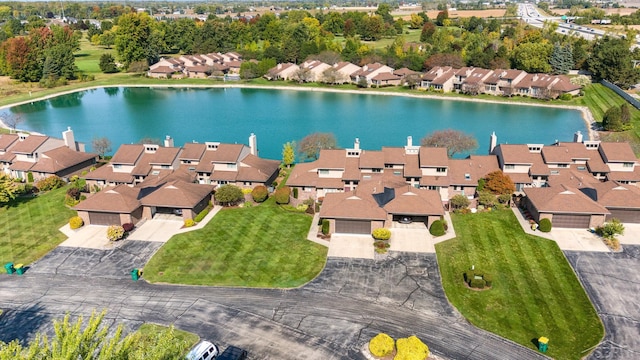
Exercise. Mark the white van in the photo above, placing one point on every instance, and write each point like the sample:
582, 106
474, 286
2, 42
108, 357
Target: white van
204, 350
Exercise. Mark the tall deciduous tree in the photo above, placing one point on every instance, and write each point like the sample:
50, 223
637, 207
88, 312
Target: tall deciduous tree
499, 183
453, 140
134, 41
289, 153
101, 145
12, 120
532, 57
611, 60
309, 147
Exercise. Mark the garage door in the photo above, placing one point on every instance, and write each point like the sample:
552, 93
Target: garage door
353, 227
626, 216
100, 218
570, 221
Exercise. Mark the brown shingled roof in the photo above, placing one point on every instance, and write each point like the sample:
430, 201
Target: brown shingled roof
613, 195
617, 152
433, 156
192, 151
371, 159
178, 194
60, 159
127, 154
563, 199
28, 145
118, 199
331, 159
6, 140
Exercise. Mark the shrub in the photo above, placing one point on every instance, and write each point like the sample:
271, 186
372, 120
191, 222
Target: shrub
74, 193
189, 223
325, 226
50, 183
477, 283
459, 201
488, 279
76, 222
282, 195
468, 276
229, 194
381, 234
566, 97
610, 229
381, 345
302, 207
437, 228
115, 232
487, 199
260, 193
128, 227
411, 348
201, 215
30, 177
70, 201
246, 191
247, 204
545, 225
295, 193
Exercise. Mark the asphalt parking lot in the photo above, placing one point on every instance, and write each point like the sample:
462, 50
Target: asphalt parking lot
612, 281
330, 318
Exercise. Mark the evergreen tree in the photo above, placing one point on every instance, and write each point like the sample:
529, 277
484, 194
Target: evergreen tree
612, 119
561, 59
107, 64
625, 114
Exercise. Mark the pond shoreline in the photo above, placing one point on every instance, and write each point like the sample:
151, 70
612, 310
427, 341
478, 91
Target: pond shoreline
587, 116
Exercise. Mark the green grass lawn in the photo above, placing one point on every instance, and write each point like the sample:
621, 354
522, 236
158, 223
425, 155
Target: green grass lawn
88, 57
29, 226
535, 291
182, 340
259, 246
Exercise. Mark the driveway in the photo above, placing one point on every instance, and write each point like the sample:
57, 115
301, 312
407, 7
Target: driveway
612, 281
332, 317
631, 235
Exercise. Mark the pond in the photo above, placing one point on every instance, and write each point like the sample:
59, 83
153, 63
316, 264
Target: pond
128, 114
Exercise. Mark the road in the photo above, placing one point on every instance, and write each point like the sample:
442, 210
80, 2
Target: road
332, 317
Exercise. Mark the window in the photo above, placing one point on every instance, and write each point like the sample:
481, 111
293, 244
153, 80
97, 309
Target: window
555, 172
388, 166
323, 172
441, 169
191, 169
117, 166
467, 176
231, 166
582, 168
164, 166
431, 187
29, 156
397, 172
186, 161
563, 165
509, 167
366, 177
376, 170
627, 165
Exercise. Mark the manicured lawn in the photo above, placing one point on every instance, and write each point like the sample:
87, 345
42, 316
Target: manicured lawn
260, 246
88, 57
182, 340
600, 98
535, 291
29, 226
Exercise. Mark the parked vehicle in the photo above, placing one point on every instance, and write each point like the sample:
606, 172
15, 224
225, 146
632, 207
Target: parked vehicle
233, 353
204, 350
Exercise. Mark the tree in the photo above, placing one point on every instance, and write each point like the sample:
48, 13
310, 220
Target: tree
101, 145
309, 147
288, 153
371, 28
107, 39
612, 119
611, 60
453, 140
441, 17
108, 64
11, 120
302, 75
561, 59
532, 57
133, 40
447, 59
228, 195
499, 183
416, 21
459, 201
625, 115
75, 341
8, 189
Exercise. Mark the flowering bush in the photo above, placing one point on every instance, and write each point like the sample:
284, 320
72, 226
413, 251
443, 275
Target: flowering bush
381, 234
115, 232
381, 345
76, 222
411, 348
381, 247
50, 183
189, 223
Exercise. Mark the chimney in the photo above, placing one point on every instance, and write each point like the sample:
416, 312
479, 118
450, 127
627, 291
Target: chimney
69, 139
356, 144
409, 141
168, 141
493, 141
577, 137
253, 144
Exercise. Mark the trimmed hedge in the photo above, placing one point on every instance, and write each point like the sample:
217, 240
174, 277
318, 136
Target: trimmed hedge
381, 234
282, 195
545, 225
76, 222
201, 215
295, 193
128, 227
381, 345
325, 226
260, 193
437, 228
470, 279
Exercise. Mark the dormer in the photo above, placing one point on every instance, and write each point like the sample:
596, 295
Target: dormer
535, 148
22, 136
212, 146
410, 149
591, 145
355, 152
150, 148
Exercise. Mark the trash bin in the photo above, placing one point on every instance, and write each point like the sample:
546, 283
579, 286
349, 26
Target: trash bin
543, 344
9, 267
19, 269
135, 274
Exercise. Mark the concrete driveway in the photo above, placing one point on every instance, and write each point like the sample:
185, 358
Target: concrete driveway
631, 235
158, 230
612, 281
